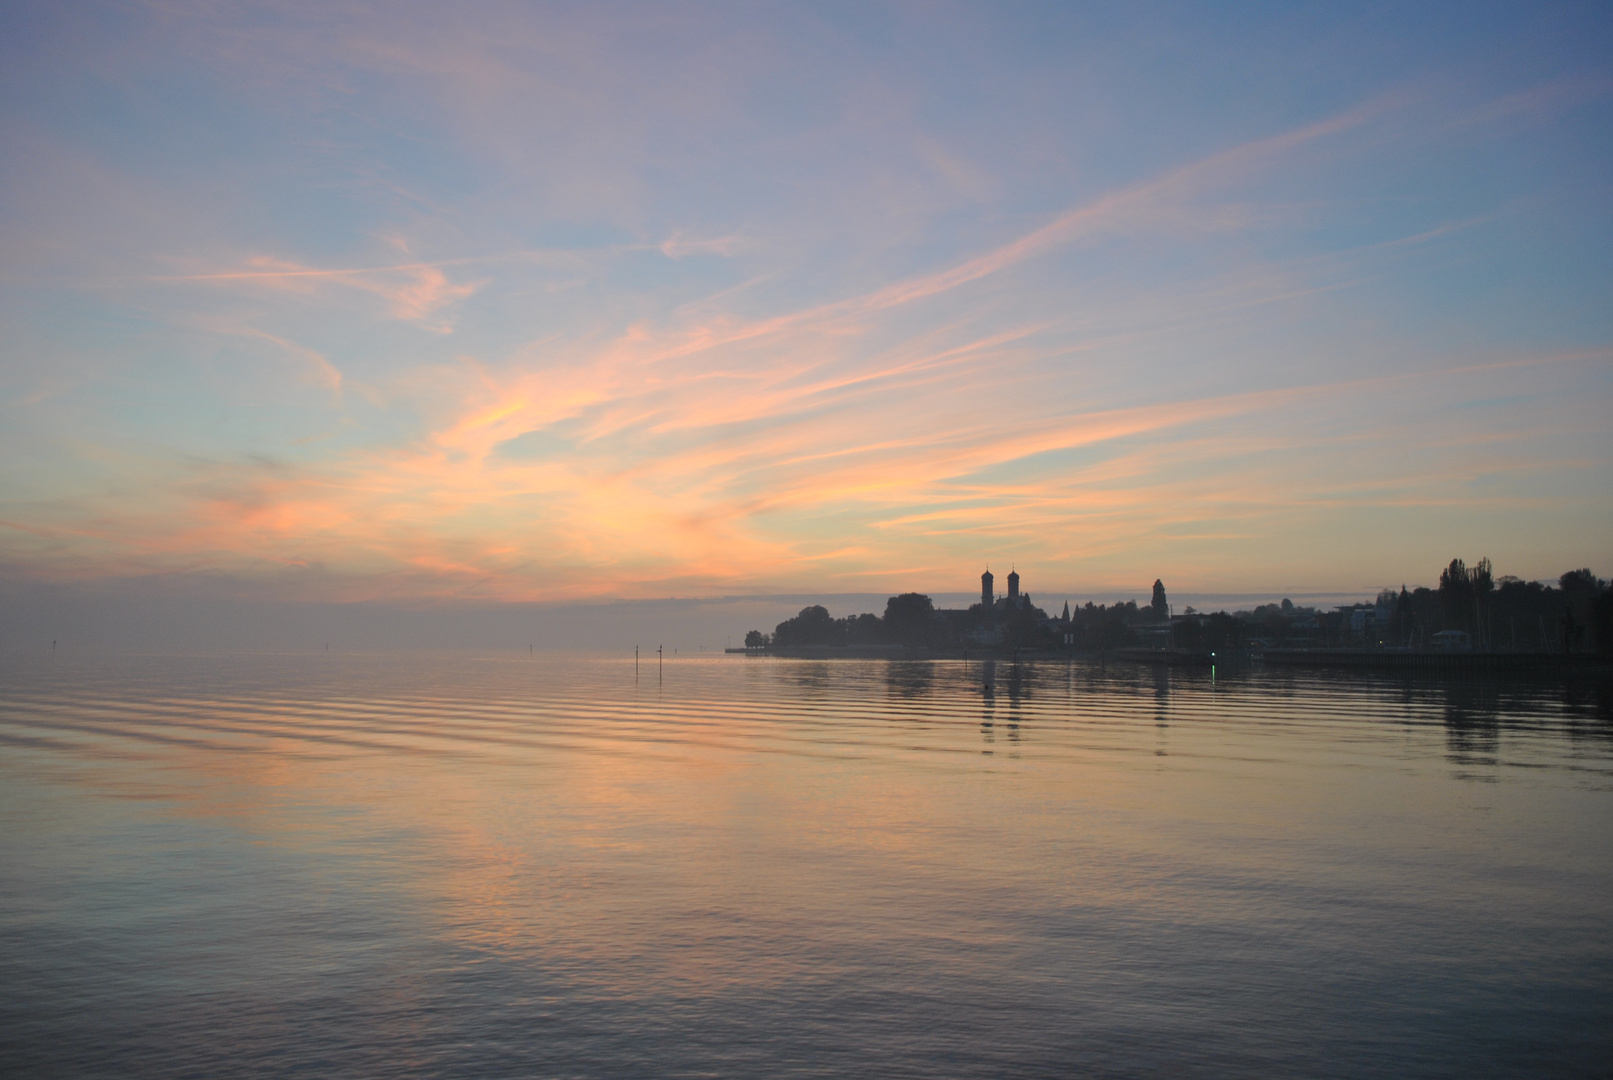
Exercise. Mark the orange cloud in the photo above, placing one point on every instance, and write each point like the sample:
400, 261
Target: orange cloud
917, 424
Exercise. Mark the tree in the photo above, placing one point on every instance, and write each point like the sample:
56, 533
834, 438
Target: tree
1400, 621
1522, 612
1582, 591
812, 626
1602, 620
755, 639
1464, 596
1456, 595
863, 629
1024, 627
910, 619
1579, 586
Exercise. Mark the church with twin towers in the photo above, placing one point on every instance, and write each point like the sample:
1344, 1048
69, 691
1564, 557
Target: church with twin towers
991, 604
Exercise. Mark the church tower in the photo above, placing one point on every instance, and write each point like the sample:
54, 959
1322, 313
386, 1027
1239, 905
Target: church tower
1013, 587
987, 598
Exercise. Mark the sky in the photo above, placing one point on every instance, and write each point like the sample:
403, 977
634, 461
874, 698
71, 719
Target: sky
513, 303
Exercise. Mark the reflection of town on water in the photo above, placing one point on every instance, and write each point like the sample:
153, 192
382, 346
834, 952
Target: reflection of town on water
1475, 712
1010, 682
815, 679
1008, 688
909, 678
547, 817
1479, 712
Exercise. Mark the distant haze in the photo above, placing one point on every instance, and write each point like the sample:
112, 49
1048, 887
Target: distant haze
150, 616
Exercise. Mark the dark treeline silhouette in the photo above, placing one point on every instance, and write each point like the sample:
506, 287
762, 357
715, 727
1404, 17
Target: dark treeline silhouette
909, 619
1508, 613
912, 620
1470, 609
1097, 628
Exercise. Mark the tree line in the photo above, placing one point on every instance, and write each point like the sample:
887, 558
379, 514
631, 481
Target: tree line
909, 619
1503, 613
1508, 613
913, 620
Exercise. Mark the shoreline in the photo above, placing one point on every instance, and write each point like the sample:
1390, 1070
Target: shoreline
1349, 659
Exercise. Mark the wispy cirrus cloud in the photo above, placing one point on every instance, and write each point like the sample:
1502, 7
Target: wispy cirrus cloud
416, 292
681, 307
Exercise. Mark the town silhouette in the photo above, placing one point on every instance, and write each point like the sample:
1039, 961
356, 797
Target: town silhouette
1470, 613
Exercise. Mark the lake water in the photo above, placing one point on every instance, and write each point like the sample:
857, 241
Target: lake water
546, 866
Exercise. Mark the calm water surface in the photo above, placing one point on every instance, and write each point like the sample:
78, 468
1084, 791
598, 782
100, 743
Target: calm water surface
452, 865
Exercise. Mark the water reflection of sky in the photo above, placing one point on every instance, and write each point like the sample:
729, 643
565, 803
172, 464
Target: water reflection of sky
779, 867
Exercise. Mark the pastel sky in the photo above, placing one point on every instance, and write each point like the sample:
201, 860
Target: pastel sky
516, 301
